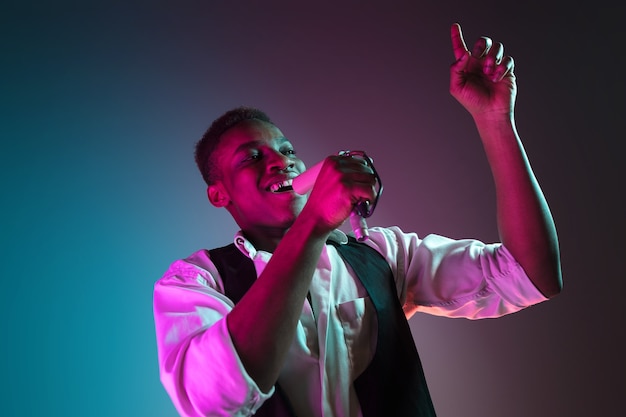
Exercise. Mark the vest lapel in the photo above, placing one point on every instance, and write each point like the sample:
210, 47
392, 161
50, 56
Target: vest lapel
238, 274
393, 384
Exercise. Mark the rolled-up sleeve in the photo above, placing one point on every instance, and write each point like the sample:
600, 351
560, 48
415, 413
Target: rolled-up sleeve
455, 278
198, 364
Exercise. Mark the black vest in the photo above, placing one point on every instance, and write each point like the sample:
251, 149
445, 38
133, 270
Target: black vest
393, 384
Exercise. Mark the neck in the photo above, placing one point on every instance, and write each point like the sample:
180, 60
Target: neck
265, 239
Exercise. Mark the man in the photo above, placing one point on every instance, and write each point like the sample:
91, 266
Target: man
309, 327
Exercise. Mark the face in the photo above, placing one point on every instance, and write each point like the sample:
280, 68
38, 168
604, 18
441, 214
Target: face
255, 162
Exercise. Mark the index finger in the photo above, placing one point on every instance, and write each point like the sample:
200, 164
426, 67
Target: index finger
458, 44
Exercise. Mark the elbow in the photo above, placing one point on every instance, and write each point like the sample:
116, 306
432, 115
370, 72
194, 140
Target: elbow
553, 291
558, 287
551, 284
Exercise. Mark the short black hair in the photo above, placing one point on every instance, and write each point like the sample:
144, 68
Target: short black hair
211, 138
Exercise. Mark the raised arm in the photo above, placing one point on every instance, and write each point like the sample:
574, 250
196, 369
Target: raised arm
484, 83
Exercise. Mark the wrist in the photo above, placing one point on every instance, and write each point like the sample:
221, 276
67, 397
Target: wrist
495, 122
504, 117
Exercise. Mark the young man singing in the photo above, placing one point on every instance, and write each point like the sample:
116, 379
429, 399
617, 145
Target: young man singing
295, 318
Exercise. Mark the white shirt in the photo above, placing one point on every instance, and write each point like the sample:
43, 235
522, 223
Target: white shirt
200, 368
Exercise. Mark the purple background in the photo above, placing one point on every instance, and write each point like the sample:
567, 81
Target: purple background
102, 103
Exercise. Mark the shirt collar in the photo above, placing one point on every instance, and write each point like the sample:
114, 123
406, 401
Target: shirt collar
247, 248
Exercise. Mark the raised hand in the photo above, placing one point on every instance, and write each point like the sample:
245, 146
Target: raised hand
482, 80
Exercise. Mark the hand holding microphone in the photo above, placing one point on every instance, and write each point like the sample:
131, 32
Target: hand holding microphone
303, 183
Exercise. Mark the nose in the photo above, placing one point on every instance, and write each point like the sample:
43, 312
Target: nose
280, 162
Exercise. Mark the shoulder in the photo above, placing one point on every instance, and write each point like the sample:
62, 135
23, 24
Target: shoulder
390, 241
195, 268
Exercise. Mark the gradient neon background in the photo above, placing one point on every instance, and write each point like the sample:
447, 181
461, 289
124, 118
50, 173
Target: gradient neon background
102, 103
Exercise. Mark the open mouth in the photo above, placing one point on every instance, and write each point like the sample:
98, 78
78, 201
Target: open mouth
281, 186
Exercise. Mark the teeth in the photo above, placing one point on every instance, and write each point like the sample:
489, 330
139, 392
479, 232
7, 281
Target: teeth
279, 185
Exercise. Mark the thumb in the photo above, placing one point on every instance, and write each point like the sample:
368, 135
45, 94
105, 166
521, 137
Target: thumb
460, 64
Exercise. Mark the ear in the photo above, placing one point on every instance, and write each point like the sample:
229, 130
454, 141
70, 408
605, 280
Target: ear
218, 195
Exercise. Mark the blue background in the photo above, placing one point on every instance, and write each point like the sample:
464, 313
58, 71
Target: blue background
102, 103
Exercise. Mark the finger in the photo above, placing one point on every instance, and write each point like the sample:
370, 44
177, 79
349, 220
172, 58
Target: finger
357, 160
481, 47
363, 192
496, 52
458, 44
506, 67
493, 58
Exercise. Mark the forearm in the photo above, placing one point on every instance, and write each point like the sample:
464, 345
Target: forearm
262, 325
524, 220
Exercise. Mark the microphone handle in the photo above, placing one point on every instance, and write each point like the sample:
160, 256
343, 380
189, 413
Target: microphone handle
304, 182
359, 226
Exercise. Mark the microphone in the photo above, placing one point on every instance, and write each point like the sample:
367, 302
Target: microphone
304, 182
